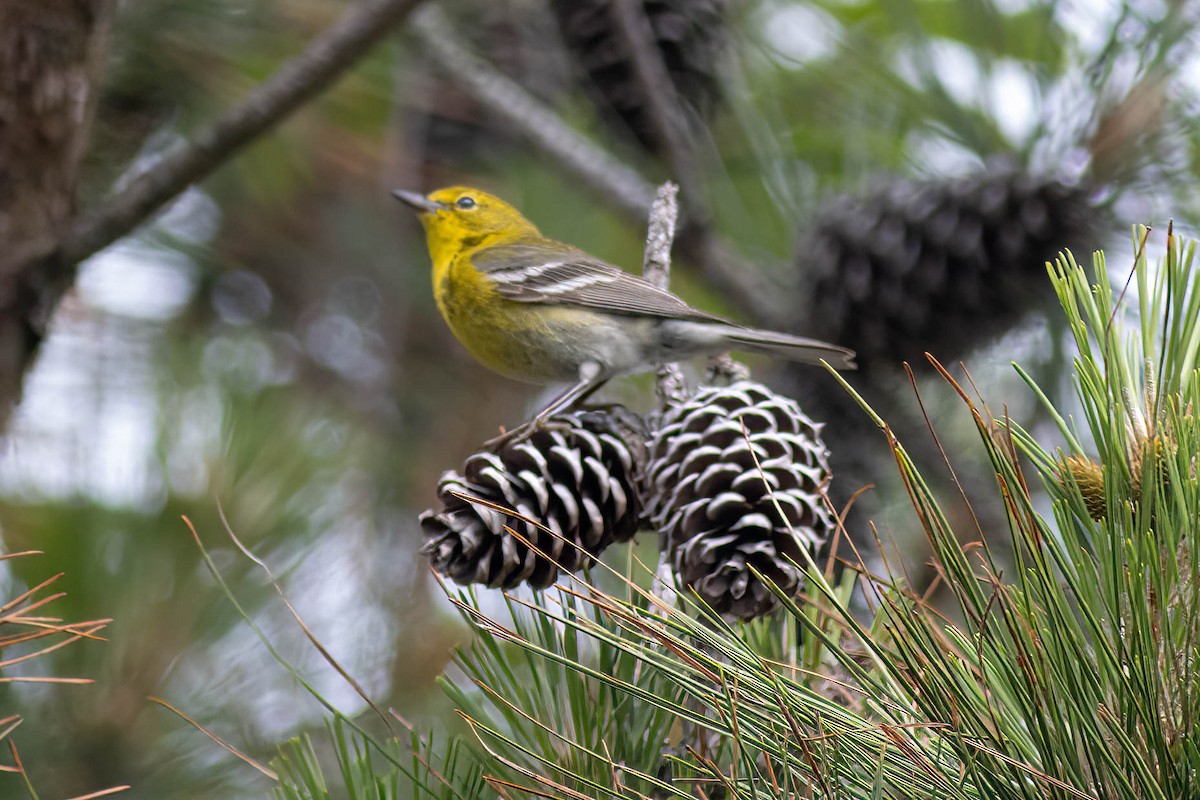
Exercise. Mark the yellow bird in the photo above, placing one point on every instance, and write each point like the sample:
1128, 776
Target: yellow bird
541, 311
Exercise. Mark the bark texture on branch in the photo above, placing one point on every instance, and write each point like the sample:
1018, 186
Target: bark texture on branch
295, 83
51, 52
51, 56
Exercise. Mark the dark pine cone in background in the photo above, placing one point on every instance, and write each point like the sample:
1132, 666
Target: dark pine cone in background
941, 266
708, 499
691, 37
576, 477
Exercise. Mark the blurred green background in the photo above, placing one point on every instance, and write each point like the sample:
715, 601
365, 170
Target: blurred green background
267, 348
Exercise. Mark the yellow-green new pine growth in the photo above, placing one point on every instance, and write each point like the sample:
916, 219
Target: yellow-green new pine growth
1154, 430
1148, 458
1089, 477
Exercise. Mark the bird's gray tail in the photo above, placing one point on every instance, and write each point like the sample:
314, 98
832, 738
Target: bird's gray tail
793, 348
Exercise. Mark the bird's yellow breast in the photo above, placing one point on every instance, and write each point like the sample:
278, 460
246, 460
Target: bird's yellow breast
504, 335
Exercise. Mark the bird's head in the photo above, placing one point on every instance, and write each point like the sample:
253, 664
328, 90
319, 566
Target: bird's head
464, 217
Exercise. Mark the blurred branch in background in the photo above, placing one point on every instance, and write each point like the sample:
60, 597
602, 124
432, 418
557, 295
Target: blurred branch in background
45, 276
619, 184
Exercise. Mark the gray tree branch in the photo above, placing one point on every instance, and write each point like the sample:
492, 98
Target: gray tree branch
39, 268
296, 82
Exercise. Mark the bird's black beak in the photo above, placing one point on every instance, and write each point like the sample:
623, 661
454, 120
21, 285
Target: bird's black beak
418, 202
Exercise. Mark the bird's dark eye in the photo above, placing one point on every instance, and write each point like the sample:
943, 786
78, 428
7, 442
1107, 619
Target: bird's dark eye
465, 202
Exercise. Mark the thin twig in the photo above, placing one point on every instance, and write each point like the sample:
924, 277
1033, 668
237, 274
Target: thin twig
669, 381
656, 268
660, 234
312, 637
103, 792
665, 110
297, 81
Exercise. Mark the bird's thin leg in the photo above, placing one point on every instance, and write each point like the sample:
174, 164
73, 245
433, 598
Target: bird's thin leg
589, 381
591, 378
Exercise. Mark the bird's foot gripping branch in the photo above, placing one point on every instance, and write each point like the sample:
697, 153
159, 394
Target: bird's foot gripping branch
732, 478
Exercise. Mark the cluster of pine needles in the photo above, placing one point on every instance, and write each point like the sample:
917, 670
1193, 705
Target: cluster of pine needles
28, 633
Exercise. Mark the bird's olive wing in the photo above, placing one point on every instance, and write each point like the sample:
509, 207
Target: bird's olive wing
539, 273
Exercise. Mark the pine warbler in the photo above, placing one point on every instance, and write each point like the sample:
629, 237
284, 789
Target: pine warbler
538, 310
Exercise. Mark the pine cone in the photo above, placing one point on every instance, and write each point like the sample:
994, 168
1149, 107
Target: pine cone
708, 499
940, 266
691, 35
576, 477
